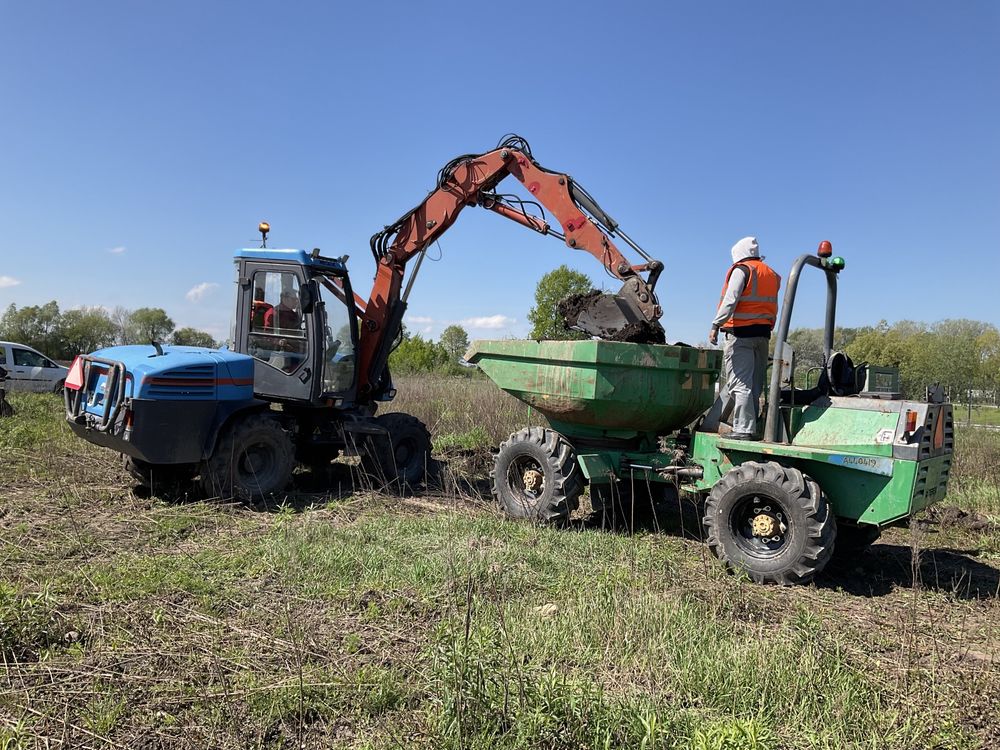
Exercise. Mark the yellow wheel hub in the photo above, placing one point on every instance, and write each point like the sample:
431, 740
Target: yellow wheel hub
765, 526
533, 479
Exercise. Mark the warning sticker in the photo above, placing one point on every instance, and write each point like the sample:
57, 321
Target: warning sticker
884, 437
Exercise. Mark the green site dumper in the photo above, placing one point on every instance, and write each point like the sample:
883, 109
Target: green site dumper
836, 463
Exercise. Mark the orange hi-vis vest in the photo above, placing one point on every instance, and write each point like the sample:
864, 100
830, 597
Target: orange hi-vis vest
758, 304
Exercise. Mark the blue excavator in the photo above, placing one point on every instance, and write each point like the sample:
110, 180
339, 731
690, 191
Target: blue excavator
306, 367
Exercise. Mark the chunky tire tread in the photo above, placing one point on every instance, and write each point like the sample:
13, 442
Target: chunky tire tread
809, 552
379, 459
563, 479
218, 474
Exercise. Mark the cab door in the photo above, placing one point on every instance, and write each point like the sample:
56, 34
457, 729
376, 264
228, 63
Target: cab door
272, 328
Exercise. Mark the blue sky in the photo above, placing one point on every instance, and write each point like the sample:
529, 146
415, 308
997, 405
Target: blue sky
142, 143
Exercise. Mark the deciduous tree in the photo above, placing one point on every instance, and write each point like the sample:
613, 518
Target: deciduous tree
193, 337
148, 324
552, 287
455, 341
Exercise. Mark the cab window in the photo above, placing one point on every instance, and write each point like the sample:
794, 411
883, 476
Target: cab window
277, 326
338, 352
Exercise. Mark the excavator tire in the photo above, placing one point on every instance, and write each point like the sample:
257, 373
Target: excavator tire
770, 521
401, 460
253, 459
536, 476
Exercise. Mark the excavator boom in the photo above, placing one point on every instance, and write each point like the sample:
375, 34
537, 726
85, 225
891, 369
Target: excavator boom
470, 180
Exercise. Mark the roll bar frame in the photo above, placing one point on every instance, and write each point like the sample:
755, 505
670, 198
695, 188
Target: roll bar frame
772, 431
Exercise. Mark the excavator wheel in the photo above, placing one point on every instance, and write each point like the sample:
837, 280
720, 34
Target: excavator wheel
253, 458
535, 476
771, 522
402, 459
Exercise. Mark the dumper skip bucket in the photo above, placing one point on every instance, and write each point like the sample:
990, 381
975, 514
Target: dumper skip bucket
588, 387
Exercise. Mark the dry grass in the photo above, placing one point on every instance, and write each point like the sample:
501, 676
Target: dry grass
463, 406
367, 621
975, 478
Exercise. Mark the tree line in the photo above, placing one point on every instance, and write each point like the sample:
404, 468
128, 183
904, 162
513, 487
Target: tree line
415, 354
64, 334
961, 355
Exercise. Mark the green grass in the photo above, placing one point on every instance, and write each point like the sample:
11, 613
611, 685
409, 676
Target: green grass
981, 415
974, 483
370, 622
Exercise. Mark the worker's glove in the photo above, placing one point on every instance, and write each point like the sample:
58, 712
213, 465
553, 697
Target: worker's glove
713, 336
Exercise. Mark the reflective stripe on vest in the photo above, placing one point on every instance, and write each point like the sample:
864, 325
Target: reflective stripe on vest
758, 303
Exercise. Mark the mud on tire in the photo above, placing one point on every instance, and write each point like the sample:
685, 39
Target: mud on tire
533, 455
757, 497
253, 458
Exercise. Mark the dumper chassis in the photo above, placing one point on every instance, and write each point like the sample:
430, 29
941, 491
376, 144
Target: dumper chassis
836, 463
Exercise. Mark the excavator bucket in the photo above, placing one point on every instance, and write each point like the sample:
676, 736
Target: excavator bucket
612, 317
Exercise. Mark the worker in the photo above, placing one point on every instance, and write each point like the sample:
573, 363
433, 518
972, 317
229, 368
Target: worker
285, 317
259, 310
748, 309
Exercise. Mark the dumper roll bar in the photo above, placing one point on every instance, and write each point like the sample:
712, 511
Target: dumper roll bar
831, 267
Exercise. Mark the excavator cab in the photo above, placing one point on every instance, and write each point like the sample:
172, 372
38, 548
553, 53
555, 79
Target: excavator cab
295, 315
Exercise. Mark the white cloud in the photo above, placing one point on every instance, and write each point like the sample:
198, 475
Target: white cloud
489, 322
419, 320
196, 293
6, 281
117, 250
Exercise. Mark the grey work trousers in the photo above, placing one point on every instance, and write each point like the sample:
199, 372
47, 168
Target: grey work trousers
744, 366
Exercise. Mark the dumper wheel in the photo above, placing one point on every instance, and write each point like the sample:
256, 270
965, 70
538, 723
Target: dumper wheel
403, 459
535, 475
253, 458
159, 479
770, 521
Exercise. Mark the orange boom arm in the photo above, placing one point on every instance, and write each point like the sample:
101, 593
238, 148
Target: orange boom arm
469, 181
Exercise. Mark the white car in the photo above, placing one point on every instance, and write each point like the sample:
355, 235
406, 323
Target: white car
28, 370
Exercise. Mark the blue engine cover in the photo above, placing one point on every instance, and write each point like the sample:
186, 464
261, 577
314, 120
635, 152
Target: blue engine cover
172, 404
185, 373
